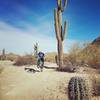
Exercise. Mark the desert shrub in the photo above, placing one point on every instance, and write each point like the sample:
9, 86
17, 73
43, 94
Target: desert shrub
84, 54
11, 57
91, 56
50, 57
79, 89
96, 85
25, 60
74, 54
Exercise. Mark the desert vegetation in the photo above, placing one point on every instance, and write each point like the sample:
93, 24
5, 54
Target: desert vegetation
79, 89
59, 30
3, 55
25, 60
66, 76
50, 57
85, 55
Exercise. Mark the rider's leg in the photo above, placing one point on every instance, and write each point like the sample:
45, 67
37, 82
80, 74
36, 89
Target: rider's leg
38, 61
42, 61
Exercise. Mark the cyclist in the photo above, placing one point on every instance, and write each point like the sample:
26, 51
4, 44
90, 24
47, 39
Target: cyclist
40, 61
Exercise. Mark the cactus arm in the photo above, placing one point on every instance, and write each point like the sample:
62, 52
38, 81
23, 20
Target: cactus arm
56, 25
65, 24
59, 4
61, 33
60, 21
64, 6
64, 32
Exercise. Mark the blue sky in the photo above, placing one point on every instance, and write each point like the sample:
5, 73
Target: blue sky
24, 22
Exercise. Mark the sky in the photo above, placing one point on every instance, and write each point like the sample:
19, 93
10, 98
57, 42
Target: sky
25, 22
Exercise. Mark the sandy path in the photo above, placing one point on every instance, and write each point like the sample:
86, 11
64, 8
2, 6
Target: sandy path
17, 84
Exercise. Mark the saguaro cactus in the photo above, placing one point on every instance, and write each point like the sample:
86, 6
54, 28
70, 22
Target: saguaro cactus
36, 50
79, 89
3, 54
59, 30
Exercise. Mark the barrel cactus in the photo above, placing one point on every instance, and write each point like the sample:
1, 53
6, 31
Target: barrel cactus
79, 89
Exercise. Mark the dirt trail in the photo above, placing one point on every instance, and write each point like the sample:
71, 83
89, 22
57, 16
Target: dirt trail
17, 84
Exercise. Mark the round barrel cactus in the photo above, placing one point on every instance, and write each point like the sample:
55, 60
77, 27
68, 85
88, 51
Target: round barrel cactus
79, 89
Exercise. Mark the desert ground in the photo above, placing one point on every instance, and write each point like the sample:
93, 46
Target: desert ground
18, 84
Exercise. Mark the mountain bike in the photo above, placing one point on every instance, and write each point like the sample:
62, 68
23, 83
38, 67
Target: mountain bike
40, 64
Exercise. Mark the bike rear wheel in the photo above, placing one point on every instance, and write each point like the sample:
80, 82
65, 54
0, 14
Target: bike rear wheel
40, 64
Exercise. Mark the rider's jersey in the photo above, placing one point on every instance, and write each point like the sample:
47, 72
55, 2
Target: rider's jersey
41, 55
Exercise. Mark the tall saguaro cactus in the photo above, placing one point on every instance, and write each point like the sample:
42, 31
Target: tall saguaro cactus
59, 30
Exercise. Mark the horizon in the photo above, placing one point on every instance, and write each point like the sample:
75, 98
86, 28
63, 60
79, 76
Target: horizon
25, 22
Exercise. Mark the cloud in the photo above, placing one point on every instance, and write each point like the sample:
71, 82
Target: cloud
22, 41
16, 40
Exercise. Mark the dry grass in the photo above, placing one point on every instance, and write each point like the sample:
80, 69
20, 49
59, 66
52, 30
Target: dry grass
50, 57
96, 84
25, 60
11, 57
89, 54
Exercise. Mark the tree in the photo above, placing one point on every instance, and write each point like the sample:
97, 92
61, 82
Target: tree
59, 30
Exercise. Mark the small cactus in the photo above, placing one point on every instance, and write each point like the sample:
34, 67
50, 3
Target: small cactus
3, 57
36, 50
79, 89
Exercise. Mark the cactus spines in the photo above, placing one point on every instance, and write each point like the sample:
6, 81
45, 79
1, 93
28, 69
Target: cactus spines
79, 89
59, 30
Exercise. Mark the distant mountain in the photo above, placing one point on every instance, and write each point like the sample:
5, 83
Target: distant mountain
96, 41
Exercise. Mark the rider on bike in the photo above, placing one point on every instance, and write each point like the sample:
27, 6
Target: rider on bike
40, 62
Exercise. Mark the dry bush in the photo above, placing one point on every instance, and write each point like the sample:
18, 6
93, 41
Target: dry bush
11, 57
96, 85
94, 56
73, 55
50, 57
25, 60
81, 55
